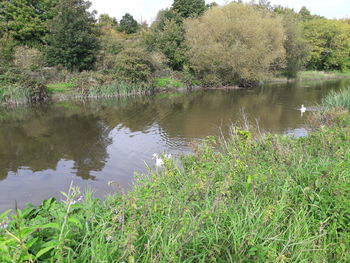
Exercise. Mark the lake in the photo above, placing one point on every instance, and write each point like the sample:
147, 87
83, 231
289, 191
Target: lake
44, 148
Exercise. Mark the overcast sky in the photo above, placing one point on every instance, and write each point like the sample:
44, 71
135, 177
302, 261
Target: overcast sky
147, 9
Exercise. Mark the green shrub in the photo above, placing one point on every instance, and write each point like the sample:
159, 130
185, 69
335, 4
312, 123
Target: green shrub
227, 47
87, 79
134, 65
35, 90
7, 50
28, 58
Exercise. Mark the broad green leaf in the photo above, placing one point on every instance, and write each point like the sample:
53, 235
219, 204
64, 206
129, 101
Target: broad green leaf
43, 251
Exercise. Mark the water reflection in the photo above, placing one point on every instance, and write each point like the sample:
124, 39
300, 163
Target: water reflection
43, 149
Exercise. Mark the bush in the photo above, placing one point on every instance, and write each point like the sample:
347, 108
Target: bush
28, 58
134, 65
234, 44
7, 50
36, 90
87, 79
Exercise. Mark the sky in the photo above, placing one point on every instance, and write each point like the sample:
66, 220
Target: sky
146, 10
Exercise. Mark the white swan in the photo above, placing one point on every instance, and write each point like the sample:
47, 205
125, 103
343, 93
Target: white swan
159, 161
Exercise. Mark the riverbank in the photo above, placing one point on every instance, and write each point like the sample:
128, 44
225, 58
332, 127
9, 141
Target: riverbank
306, 76
86, 85
261, 198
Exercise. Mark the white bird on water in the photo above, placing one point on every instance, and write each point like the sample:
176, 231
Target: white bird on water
159, 161
302, 110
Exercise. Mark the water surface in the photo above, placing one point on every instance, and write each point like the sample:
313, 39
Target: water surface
44, 148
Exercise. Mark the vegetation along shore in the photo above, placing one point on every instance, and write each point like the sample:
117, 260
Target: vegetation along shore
249, 198
191, 44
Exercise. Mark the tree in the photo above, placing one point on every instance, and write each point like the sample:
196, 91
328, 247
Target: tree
106, 21
134, 65
128, 24
73, 40
26, 20
227, 47
329, 41
210, 5
171, 42
296, 47
189, 8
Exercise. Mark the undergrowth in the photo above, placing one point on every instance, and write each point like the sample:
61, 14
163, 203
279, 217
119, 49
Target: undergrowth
338, 99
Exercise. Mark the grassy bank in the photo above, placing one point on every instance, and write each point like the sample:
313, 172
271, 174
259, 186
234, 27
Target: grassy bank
323, 75
267, 198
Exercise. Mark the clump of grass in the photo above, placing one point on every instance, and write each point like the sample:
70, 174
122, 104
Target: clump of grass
168, 82
259, 199
338, 99
13, 94
117, 89
62, 87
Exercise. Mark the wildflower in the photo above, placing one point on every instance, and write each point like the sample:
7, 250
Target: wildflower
73, 202
3, 225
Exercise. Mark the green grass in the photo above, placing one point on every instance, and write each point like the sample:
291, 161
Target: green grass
13, 94
62, 87
267, 198
323, 75
338, 99
168, 82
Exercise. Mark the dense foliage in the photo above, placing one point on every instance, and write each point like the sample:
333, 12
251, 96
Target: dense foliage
226, 47
73, 39
189, 8
26, 20
134, 65
329, 42
128, 24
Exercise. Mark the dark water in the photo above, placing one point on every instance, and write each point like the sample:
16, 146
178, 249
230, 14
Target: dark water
43, 149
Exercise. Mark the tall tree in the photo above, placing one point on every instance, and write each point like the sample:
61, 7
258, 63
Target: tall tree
329, 42
73, 41
128, 24
297, 49
189, 8
106, 21
26, 20
227, 47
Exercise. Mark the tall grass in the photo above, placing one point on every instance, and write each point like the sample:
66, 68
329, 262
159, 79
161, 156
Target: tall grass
118, 89
259, 199
13, 94
338, 99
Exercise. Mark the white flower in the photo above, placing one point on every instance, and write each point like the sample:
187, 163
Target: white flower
4, 225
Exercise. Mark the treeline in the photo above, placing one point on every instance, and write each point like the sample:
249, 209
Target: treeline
196, 43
